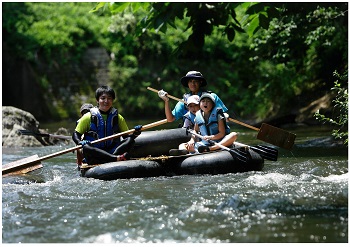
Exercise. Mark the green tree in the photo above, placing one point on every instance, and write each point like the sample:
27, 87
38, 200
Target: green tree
341, 109
52, 37
202, 19
292, 50
52, 29
199, 36
258, 57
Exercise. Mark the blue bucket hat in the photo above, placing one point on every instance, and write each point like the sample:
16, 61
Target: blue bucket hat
193, 75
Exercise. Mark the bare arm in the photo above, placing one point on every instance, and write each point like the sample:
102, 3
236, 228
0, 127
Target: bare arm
169, 116
219, 135
164, 96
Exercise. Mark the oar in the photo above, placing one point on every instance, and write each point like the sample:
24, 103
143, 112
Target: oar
171, 97
21, 166
234, 152
31, 133
271, 134
267, 133
265, 152
35, 165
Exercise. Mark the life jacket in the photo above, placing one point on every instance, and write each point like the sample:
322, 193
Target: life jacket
100, 129
212, 127
190, 117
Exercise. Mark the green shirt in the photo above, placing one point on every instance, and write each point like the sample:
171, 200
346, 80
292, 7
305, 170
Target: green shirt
84, 123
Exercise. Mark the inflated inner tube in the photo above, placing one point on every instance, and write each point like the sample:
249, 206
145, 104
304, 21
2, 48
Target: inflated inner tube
221, 162
158, 142
125, 169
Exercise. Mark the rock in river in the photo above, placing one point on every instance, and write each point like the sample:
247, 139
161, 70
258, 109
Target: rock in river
13, 120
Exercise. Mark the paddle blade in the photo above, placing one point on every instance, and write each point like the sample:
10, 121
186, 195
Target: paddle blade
26, 132
21, 166
266, 152
239, 155
276, 136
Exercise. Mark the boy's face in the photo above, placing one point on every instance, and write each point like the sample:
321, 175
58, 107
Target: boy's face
105, 102
193, 108
206, 105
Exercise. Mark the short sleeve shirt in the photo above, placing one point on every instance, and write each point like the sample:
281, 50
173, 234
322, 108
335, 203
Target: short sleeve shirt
85, 121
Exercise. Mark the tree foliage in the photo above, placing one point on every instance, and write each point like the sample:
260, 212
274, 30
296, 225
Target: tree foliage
258, 57
53, 38
52, 29
290, 50
341, 109
202, 19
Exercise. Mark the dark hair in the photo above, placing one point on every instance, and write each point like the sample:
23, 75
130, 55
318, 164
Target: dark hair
104, 89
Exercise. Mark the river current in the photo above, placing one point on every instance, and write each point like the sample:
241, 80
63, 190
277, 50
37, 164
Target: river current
301, 198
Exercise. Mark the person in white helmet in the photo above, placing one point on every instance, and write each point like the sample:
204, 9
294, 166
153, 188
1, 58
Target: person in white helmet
193, 106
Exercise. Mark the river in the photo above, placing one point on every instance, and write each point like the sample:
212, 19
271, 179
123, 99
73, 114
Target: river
301, 198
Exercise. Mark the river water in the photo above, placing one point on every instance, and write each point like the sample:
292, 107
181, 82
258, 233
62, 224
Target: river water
301, 198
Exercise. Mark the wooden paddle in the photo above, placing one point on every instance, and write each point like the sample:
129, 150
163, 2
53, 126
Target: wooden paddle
265, 152
33, 163
171, 97
271, 134
267, 133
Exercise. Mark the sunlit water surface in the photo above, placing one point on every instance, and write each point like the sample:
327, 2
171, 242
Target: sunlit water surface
301, 198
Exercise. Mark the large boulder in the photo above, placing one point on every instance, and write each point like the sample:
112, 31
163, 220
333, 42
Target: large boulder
13, 120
